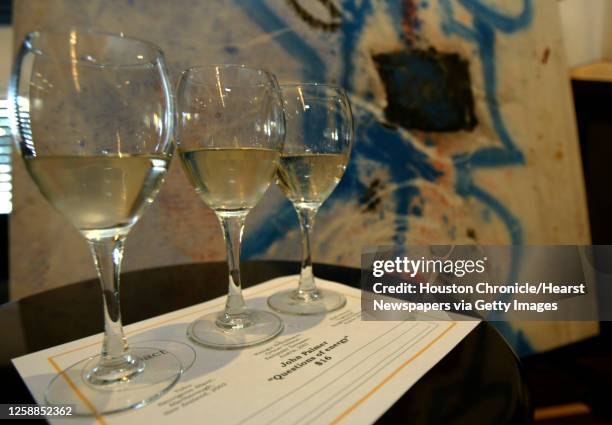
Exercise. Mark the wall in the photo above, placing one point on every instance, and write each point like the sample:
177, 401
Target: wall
587, 32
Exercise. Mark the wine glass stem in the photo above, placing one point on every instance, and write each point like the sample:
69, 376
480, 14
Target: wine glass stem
306, 288
233, 226
115, 361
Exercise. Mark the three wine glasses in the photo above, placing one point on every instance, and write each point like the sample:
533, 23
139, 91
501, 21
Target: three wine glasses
94, 118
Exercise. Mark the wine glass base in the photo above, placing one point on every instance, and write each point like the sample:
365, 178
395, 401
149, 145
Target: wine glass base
161, 371
260, 326
289, 302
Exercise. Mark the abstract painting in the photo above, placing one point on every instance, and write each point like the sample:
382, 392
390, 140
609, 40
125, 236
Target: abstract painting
465, 132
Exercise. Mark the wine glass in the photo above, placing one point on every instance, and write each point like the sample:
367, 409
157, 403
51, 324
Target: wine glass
92, 115
231, 131
318, 141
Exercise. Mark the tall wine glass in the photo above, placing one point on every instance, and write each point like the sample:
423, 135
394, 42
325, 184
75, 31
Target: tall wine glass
231, 131
318, 142
92, 115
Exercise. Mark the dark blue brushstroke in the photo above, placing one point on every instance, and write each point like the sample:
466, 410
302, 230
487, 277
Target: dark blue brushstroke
376, 143
314, 67
486, 21
402, 160
257, 243
396, 13
485, 36
503, 22
351, 31
386, 145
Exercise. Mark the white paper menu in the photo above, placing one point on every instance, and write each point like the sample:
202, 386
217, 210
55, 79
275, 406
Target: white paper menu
330, 369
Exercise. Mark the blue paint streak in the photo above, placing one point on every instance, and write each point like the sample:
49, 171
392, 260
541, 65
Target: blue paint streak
486, 21
351, 31
415, 164
258, 242
512, 223
451, 26
396, 12
505, 23
398, 156
402, 161
386, 146
314, 67
486, 37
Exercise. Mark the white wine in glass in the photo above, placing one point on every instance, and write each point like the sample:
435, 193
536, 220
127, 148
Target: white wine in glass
231, 132
230, 180
308, 179
102, 196
93, 115
319, 137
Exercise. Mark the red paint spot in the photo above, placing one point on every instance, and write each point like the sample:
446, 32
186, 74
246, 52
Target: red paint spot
409, 20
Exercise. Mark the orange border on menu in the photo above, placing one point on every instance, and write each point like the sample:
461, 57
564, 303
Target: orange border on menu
100, 418
378, 386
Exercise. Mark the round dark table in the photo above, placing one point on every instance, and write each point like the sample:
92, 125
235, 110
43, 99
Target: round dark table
479, 382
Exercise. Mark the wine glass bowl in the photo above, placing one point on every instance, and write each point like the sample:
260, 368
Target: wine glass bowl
92, 115
91, 107
318, 141
230, 134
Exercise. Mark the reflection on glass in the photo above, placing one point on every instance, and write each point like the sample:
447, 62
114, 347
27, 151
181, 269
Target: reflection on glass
318, 142
83, 110
230, 136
